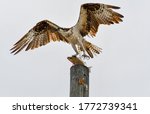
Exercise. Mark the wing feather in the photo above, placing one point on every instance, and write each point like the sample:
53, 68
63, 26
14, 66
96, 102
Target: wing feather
94, 14
41, 34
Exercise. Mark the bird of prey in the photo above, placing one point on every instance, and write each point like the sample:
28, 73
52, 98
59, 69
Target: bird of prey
91, 16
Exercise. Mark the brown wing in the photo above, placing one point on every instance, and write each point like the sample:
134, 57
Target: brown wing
94, 14
41, 34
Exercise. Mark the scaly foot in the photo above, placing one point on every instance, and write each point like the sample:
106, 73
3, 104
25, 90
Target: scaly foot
86, 56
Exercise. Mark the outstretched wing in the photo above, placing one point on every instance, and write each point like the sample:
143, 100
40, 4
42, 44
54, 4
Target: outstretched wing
41, 34
94, 14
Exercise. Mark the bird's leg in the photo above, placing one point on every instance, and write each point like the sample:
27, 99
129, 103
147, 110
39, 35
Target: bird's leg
85, 56
75, 49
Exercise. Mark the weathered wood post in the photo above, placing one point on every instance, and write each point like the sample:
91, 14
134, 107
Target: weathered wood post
79, 81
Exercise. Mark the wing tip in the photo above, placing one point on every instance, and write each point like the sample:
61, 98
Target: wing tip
14, 52
113, 6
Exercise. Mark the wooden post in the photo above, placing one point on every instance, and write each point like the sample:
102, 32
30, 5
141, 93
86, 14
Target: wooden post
79, 81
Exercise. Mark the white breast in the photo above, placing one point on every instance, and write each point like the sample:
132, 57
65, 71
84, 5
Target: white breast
76, 36
72, 35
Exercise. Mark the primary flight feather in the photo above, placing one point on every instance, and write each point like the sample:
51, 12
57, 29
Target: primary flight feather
91, 16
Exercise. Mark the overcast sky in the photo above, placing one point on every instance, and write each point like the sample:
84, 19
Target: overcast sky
123, 68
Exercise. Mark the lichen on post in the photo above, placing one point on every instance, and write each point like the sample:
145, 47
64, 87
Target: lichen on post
79, 81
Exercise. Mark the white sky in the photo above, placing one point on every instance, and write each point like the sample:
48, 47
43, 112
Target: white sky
123, 69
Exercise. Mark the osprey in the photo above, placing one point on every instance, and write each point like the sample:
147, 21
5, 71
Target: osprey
91, 16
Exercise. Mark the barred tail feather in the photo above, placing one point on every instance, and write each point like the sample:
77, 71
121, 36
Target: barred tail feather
91, 48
